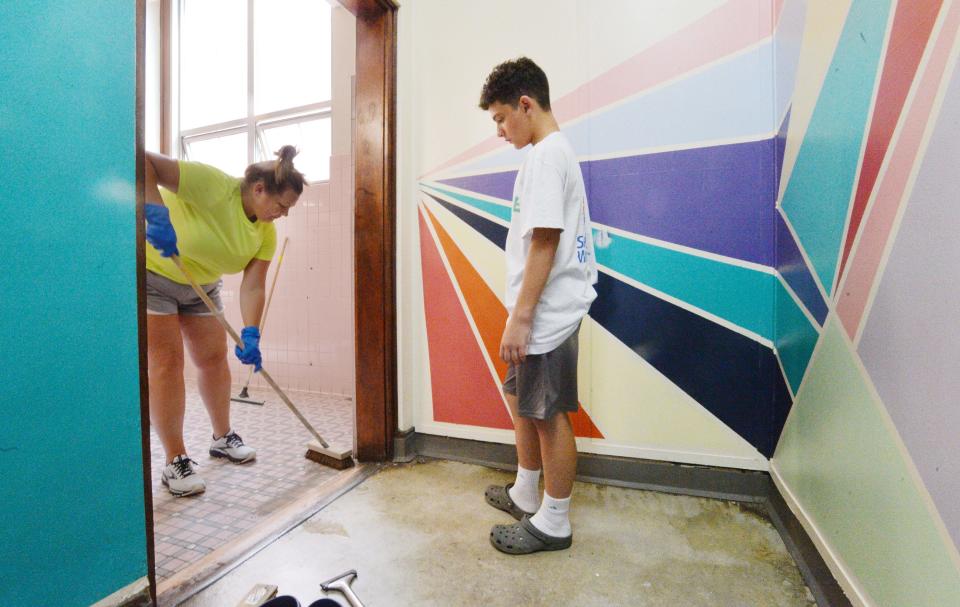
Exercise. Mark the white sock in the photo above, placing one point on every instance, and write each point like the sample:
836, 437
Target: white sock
553, 516
526, 489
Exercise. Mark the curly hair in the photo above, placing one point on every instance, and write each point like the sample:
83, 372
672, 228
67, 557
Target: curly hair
512, 79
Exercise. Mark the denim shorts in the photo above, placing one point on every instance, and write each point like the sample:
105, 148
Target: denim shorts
546, 384
165, 297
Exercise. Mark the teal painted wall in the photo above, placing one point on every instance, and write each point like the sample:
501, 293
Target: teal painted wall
71, 496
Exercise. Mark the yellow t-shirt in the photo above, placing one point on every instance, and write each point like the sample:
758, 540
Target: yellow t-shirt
214, 235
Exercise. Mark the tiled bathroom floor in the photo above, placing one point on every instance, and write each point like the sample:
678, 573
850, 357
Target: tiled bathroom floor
239, 496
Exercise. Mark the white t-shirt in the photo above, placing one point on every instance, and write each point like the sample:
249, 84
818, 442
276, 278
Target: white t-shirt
549, 193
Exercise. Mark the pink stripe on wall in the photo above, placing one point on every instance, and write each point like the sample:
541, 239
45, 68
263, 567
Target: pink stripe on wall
878, 228
728, 29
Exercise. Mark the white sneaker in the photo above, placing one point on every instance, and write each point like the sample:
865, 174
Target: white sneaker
231, 446
180, 479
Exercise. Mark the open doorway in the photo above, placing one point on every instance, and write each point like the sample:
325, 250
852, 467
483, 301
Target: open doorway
227, 83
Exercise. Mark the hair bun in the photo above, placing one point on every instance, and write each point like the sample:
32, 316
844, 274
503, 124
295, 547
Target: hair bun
284, 163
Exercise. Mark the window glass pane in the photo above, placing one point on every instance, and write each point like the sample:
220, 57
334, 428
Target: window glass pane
228, 153
291, 53
213, 62
311, 137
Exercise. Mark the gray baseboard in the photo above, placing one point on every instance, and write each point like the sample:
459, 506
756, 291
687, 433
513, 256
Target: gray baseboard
667, 477
816, 573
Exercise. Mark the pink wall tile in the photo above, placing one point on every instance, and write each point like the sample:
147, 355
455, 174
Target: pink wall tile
308, 341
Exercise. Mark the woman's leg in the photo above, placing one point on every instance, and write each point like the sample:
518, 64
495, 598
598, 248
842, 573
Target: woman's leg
207, 343
165, 368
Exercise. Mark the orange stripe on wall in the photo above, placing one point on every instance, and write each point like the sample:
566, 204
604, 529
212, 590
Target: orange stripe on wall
490, 316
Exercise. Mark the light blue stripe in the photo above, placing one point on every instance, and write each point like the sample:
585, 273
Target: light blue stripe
739, 295
729, 100
796, 337
818, 195
502, 211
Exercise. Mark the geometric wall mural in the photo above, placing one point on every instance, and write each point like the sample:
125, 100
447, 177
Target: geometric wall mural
679, 152
773, 188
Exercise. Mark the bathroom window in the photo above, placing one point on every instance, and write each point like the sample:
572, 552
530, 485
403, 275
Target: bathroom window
255, 75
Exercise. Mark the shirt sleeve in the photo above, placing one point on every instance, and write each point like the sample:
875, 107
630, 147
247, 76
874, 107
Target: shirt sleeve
202, 185
543, 207
269, 245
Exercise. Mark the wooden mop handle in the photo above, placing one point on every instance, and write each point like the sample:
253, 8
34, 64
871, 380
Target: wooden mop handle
236, 338
266, 308
273, 284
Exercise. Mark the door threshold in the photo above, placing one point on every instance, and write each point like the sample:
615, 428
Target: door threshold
199, 575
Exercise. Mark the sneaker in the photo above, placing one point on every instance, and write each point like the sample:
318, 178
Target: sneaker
231, 446
180, 479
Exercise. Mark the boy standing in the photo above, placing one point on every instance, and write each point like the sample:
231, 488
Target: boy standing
551, 271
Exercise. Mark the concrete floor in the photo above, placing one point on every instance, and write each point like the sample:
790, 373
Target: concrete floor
417, 534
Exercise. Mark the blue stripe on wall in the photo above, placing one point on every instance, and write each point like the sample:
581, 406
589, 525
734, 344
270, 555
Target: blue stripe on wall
793, 268
817, 197
497, 185
717, 199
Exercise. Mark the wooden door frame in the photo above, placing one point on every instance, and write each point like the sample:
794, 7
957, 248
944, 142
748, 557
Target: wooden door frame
375, 227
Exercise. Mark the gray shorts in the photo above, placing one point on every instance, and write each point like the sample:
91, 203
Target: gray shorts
165, 297
546, 384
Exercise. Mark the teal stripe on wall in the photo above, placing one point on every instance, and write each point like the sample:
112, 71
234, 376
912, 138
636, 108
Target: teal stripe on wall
72, 527
796, 337
734, 293
501, 211
818, 194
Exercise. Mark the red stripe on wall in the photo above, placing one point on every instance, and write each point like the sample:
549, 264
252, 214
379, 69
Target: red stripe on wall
464, 391
909, 35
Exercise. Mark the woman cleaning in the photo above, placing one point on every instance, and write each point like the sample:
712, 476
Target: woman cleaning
216, 224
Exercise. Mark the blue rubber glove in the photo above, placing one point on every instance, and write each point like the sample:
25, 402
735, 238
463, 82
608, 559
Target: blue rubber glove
250, 353
159, 229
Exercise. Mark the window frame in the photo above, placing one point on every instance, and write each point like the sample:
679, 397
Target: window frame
252, 124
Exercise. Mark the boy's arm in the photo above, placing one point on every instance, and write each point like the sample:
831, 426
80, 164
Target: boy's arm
543, 248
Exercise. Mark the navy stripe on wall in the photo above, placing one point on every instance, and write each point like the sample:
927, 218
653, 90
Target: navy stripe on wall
732, 376
795, 272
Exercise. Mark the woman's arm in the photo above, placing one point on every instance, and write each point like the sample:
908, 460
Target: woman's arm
159, 170
253, 292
